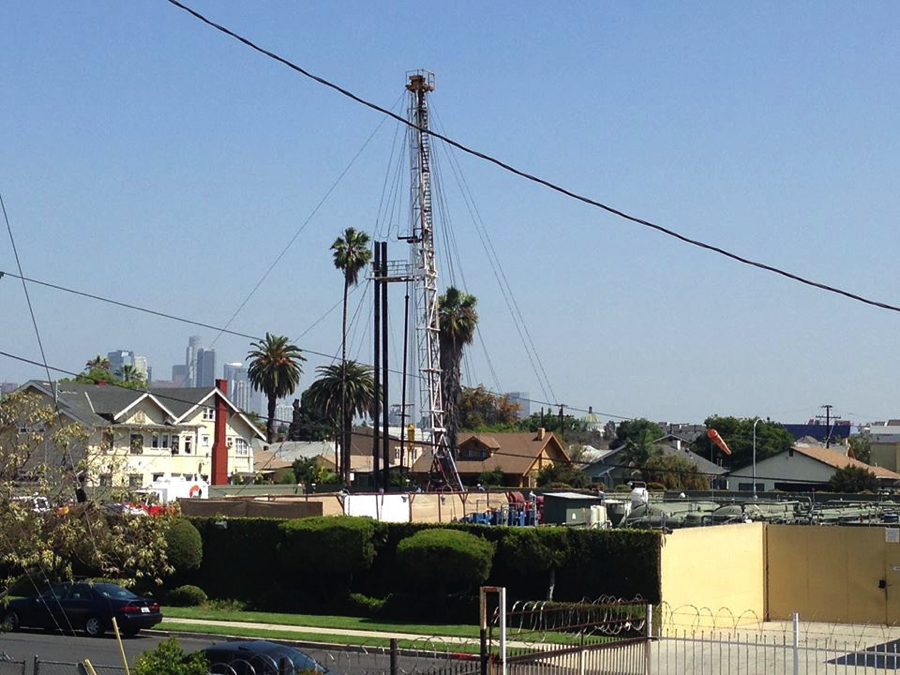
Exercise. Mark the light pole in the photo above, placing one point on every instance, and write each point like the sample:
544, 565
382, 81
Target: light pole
755, 422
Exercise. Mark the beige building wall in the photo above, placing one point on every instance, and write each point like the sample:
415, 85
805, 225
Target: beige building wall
884, 454
828, 573
714, 576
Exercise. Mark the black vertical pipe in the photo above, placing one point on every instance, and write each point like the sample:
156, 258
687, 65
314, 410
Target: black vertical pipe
377, 364
395, 653
385, 372
403, 385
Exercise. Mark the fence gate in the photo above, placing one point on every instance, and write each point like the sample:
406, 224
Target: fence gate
608, 635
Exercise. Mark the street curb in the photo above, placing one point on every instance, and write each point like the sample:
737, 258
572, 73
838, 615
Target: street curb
309, 644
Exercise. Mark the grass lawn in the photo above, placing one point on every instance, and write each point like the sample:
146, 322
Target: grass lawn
321, 621
424, 645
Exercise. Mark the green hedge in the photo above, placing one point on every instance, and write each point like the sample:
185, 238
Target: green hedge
284, 565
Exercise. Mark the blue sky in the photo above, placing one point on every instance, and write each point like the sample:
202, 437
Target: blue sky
151, 159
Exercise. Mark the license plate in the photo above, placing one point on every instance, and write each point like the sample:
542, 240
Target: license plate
145, 610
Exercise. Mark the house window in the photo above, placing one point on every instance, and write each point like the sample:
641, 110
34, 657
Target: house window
137, 444
229, 442
188, 442
209, 414
204, 477
105, 480
164, 441
175, 444
108, 441
240, 446
205, 440
158, 476
135, 480
154, 441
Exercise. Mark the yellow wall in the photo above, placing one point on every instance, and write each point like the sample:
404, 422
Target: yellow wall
827, 573
714, 576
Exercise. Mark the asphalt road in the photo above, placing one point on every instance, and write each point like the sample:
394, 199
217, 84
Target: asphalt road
26, 644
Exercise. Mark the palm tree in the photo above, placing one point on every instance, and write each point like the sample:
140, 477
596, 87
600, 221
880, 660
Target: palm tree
325, 394
98, 363
351, 255
130, 375
274, 370
457, 320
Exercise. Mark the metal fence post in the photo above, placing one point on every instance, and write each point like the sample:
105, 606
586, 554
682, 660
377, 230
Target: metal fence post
37, 665
394, 654
503, 670
796, 643
648, 619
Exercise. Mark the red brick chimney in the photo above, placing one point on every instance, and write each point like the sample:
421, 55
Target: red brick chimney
220, 448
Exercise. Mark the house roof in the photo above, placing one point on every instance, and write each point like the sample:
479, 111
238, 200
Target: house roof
266, 460
703, 465
838, 460
515, 453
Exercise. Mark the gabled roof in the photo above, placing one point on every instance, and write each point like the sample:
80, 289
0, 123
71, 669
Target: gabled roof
838, 460
703, 465
515, 453
183, 401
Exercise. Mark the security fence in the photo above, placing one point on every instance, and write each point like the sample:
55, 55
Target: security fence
41, 667
10, 667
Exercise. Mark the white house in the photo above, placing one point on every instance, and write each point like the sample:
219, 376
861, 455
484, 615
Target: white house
803, 467
136, 437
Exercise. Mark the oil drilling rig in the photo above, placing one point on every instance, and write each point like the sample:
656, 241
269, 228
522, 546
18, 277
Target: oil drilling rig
423, 272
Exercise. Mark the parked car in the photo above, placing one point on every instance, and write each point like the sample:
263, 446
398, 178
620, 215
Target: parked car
259, 657
83, 606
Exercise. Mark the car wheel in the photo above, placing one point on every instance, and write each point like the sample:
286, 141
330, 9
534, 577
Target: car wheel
11, 621
93, 627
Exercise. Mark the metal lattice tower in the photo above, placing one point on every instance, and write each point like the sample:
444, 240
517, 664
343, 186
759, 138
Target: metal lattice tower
443, 468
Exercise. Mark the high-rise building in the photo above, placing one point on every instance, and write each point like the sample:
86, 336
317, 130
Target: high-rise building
205, 368
239, 390
190, 360
141, 365
118, 359
521, 397
179, 376
8, 388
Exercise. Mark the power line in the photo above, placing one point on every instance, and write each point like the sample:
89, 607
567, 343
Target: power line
300, 230
248, 336
536, 179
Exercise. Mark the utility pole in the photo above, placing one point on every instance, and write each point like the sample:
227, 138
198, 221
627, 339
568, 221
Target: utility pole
376, 449
385, 408
827, 417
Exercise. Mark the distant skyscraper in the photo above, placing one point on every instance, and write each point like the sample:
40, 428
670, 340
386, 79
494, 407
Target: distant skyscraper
119, 358
205, 368
521, 397
239, 390
179, 376
141, 365
8, 388
190, 360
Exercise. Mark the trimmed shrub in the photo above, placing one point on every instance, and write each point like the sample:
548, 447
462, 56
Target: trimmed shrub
439, 561
184, 547
362, 605
186, 596
169, 658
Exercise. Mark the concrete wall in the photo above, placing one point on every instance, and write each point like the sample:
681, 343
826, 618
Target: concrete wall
885, 453
714, 575
827, 573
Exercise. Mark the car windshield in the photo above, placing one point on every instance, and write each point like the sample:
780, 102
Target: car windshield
115, 592
303, 662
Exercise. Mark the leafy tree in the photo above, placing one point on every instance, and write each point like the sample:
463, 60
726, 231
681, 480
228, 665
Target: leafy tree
101, 374
853, 479
862, 450
561, 474
309, 423
351, 254
771, 438
309, 470
439, 561
458, 320
184, 545
673, 472
639, 447
274, 370
482, 410
40, 455
570, 429
492, 478
168, 658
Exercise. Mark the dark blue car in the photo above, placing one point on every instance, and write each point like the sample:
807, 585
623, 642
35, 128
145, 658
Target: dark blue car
83, 606
259, 657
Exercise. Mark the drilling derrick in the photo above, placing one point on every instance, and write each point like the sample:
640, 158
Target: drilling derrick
428, 350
